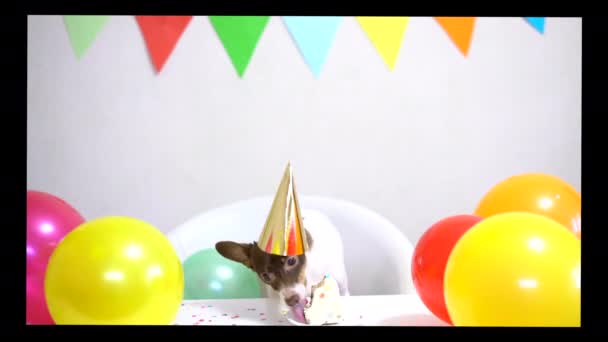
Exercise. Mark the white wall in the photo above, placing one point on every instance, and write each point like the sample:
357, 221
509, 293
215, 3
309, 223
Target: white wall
417, 144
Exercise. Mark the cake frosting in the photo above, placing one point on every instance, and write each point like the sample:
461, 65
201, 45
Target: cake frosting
325, 306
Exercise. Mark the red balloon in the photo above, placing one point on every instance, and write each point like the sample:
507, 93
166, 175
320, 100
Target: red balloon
431, 256
49, 220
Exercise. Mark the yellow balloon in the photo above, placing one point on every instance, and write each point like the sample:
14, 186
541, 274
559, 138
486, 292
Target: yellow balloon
515, 269
114, 270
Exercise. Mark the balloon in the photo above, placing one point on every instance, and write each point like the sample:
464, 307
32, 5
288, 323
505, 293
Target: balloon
535, 193
430, 258
515, 269
36, 308
49, 219
114, 270
208, 275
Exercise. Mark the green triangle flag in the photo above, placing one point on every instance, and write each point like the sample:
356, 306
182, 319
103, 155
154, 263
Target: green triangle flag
239, 35
83, 29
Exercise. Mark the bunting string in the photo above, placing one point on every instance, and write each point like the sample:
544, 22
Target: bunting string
240, 35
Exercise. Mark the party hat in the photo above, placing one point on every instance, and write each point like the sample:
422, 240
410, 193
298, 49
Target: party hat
283, 232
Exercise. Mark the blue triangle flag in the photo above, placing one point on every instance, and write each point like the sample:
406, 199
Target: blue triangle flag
537, 22
314, 37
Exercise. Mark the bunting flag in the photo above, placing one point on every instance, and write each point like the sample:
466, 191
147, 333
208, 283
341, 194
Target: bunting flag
460, 30
161, 34
386, 34
240, 36
314, 37
537, 22
82, 30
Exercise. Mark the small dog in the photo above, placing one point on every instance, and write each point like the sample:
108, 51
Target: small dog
291, 278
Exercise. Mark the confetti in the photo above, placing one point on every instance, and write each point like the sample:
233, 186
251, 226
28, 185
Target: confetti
235, 316
193, 315
261, 313
263, 319
224, 314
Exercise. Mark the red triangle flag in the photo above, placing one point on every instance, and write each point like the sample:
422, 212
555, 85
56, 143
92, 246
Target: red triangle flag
161, 34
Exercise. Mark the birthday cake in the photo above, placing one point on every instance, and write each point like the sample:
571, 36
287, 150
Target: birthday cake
325, 306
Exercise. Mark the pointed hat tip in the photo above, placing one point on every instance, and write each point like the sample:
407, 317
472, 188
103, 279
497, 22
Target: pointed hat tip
289, 169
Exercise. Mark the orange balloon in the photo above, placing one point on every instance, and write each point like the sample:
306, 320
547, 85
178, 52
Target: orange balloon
536, 193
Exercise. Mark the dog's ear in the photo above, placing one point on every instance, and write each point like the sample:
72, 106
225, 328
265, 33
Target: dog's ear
309, 238
238, 252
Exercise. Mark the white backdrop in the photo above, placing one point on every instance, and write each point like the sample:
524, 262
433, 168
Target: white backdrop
417, 144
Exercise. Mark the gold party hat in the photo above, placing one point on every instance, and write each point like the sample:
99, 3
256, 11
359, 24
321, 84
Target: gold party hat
283, 232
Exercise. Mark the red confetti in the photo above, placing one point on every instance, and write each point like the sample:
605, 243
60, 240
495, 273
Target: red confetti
322, 295
263, 319
193, 315
235, 316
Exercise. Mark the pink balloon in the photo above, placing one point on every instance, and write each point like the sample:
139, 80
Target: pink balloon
36, 308
49, 220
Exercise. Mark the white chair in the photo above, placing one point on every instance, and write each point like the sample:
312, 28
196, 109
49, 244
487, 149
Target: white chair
377, 255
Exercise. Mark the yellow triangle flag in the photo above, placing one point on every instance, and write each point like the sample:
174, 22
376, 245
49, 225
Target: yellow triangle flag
386, 34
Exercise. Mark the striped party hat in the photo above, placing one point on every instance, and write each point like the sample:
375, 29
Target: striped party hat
283, 232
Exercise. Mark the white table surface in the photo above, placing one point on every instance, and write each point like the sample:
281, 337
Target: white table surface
383, 310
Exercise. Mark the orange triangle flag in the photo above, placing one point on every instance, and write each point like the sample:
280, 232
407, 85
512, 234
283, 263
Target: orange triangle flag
460, 30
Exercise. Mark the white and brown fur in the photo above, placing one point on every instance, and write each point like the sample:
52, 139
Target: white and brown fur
291, 278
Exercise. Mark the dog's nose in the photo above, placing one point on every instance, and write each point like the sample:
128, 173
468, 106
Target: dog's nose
292, 300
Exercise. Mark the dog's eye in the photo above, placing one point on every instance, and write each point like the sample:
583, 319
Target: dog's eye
291, 261
266, 276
